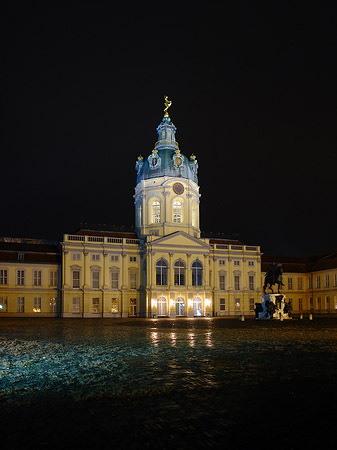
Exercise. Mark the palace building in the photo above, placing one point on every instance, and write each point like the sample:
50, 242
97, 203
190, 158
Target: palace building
164, 267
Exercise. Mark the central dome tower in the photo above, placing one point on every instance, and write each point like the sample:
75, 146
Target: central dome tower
167, 191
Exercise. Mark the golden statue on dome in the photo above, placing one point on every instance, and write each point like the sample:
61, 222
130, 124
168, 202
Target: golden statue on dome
168, 103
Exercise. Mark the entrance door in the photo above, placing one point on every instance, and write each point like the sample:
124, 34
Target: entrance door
197, 307
180, 306
162, 306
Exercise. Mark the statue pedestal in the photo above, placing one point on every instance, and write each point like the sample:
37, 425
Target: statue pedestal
272, 306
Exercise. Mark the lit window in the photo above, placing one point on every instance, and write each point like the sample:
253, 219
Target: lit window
161, 273
76, 279
237, 304
95, 279
114, 305
52, 305
95, 305
20, 277
3, 304
179, 273
177, 217
197, 273
37, 304
3, 276
37, 276
180, 306
155, 212
133, 306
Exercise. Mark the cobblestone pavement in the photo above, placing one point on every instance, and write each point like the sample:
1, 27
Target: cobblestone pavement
285, 405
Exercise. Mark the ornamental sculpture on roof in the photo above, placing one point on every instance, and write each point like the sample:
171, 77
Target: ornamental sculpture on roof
168, 103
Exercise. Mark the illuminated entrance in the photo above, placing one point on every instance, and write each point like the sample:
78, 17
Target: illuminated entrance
197, 307
180, 306
162, 306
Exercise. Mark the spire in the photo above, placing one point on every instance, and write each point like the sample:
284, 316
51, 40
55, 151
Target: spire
166, 130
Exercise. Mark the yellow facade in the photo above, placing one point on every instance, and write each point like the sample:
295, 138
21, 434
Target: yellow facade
29, 288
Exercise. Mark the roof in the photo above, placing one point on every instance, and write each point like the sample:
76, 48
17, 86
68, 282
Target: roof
301, 264
33, 253
120, 234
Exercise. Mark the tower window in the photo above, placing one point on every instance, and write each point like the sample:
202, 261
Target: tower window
155, 212
177, 216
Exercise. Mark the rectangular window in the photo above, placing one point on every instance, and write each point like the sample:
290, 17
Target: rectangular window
114, 305
53, 278
327, 281
319, 304
222, 262
114, 258
237, 304
251, 304
95, 257
311, 303
335, 278
237, 282
95, 279
222, 282
52, 305
251, 263
37, 304
20, 305
222, 304
76, 279
76, 305
76, 256
3, 276
37, 277
133, 306
114, 280
20, 277
133, 258
133, 280
300, 283
21, 256
95, 305
290, 284
236, 262
3, 304
154, 233
300, 304
310, 282
328, 303
251, 282
318, 282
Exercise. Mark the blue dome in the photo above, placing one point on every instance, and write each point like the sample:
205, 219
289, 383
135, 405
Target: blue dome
166, 158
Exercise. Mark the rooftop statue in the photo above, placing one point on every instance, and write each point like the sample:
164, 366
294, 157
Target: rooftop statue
273, 276
168, 103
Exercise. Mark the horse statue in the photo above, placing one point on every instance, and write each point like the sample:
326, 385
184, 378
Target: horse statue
273, 276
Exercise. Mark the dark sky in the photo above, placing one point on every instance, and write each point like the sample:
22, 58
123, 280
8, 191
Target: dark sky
254, 97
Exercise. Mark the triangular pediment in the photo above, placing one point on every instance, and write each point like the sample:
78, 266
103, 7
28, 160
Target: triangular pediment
180, 240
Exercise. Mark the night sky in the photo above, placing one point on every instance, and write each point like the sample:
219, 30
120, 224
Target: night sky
254, 97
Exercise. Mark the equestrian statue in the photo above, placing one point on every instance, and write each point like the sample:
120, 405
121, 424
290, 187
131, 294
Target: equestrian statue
273, 276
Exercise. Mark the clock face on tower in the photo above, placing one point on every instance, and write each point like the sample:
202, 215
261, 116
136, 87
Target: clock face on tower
178, 188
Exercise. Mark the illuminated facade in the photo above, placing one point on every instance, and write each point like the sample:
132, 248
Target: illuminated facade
165, 267
30, 274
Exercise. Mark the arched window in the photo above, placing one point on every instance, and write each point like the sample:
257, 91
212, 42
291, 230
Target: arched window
139, 214
196, 273
162, 306
177, 216
179, 273
180, 306
156, 212
194, 215
161, 273
197, 311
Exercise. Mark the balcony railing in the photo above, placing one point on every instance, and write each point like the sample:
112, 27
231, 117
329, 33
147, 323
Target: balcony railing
100, 239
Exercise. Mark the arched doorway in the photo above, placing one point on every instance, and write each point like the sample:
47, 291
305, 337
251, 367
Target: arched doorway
197, 311
180, 306
162, 306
